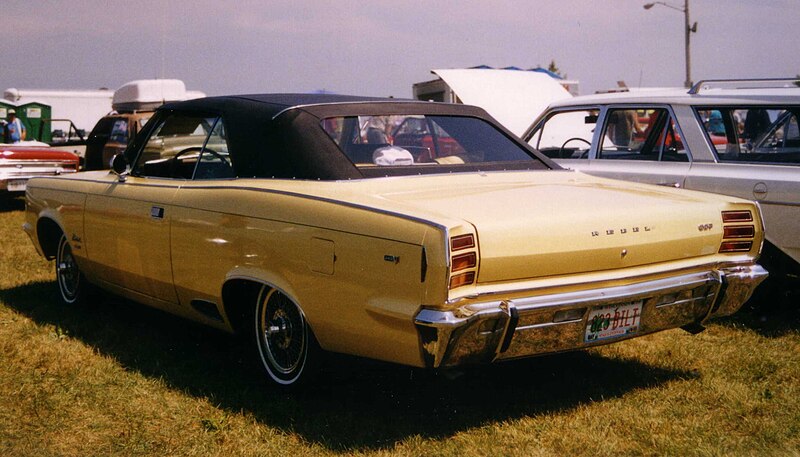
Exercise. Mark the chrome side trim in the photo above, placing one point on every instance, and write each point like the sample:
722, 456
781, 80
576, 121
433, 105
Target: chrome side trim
276, 192
778, 202
327, 200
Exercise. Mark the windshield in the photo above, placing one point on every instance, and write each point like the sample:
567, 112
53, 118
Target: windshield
425, 142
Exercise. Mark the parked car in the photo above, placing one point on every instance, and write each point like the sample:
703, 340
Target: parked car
110, 137
133, 105
741, 141
296, 229
20, 162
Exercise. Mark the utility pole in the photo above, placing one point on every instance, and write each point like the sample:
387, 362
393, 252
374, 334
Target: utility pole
688, 29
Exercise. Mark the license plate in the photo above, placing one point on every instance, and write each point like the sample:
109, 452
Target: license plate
613, 321
16, 185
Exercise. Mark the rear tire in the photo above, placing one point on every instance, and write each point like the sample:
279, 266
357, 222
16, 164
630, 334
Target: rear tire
72, 285
283, 338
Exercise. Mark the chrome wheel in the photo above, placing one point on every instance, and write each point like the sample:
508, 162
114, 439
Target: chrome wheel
282, 336
67, 273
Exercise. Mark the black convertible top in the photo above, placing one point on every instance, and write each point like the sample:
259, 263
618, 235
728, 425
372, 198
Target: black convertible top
320, 105
279, 135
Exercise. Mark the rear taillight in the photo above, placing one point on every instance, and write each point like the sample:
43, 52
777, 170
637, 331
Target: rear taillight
736, 216
462, 279
735, 246
739, 231
463, 261
736, 236
458, 243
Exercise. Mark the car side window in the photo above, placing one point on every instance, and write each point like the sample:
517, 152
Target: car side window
642, 134
753, 134
175, 146
215, 161
566, 134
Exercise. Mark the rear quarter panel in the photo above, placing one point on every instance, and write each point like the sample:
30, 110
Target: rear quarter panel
355, 273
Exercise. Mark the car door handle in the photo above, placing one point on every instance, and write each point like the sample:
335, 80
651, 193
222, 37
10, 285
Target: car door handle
157, 212
670, 184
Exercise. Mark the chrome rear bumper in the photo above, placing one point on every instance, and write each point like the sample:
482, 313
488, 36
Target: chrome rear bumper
27, 172
503, 329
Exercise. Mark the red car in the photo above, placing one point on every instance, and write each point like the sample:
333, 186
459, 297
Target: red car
19, 163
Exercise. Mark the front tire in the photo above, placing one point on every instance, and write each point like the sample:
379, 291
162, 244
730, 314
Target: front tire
72, 285
283, 337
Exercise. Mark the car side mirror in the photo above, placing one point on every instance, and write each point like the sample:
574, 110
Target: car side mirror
119, 166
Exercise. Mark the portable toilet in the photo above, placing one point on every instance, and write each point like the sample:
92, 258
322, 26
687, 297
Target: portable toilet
36, 117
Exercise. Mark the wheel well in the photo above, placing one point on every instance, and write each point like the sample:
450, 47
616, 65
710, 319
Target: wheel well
49, 234
238, 298
238, 295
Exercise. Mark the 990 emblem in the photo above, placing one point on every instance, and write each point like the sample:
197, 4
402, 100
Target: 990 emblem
705, 227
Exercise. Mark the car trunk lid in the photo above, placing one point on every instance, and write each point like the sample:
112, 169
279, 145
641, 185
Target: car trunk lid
556, 226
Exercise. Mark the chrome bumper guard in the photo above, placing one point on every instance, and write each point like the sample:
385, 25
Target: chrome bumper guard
504, 329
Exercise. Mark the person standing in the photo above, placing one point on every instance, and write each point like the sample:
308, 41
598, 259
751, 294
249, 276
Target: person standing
14, 130
623, 126
756, 123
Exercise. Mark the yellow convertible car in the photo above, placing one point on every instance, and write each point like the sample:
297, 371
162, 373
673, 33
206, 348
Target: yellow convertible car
418, 233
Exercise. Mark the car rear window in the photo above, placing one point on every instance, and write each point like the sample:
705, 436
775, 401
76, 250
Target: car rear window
119, 132
417, 142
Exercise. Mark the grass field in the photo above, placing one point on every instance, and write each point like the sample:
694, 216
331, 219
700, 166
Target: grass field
115, 378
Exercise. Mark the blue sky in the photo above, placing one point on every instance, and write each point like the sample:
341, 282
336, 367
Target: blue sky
381, 48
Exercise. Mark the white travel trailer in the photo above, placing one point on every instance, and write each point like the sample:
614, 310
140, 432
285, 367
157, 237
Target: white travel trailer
83, 107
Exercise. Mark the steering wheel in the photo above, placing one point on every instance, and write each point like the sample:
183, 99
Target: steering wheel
210, 151
575, 138
176, 171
